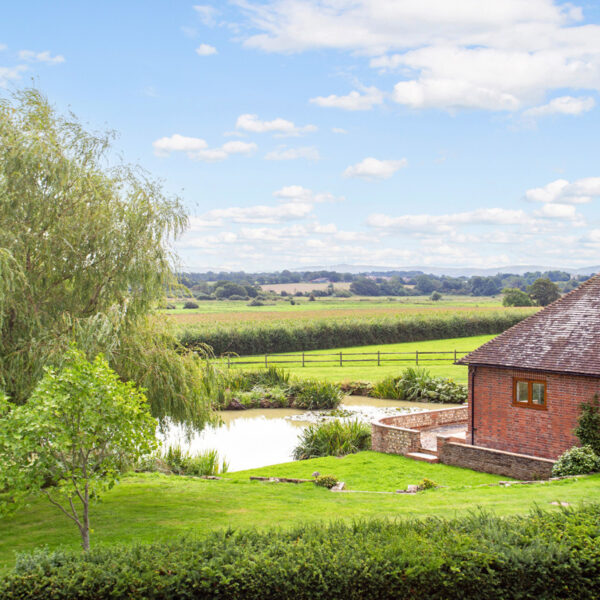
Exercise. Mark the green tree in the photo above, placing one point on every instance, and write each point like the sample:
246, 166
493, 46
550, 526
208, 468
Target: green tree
543, 291
84, 256
515, 297
71, 439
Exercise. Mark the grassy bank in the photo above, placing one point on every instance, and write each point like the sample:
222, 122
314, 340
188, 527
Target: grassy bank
331, 371
152, 507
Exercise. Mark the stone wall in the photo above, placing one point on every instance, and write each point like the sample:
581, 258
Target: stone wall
509, 464
401, 434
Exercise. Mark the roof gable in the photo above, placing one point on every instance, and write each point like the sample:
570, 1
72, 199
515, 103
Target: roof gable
563, 337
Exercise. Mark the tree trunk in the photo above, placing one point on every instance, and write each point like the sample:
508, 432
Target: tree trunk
85, 528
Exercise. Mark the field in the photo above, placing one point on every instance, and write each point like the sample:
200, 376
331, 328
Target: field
153, 507
331, 371
237, 311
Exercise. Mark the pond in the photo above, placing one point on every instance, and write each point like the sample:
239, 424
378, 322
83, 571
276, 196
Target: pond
259, 437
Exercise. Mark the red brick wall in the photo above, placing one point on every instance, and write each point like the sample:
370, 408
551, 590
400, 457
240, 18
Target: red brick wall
546, 433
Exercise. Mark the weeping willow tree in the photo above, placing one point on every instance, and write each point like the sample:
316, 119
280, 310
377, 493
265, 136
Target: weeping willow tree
85, 256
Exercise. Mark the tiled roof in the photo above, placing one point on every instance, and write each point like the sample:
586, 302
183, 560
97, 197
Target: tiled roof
563, 337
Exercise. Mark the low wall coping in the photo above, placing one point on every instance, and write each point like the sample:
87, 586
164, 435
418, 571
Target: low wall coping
383, 422
494, 451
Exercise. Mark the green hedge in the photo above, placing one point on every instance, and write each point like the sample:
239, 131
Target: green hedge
540, 556
290, 336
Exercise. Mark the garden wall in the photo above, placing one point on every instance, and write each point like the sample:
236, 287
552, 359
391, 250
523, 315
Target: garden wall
488, 460
401, 434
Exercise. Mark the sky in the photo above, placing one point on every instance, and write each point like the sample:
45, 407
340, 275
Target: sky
301, 133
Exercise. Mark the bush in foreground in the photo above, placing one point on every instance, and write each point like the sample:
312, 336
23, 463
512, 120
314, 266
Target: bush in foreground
545, 555
418, 385
576, 461
333, 438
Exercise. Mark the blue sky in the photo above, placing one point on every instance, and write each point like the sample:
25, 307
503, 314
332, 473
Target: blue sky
319, 132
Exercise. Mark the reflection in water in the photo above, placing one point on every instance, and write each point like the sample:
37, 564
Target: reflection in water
260, 437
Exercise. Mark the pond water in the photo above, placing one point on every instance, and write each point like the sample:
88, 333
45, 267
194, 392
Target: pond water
259, 437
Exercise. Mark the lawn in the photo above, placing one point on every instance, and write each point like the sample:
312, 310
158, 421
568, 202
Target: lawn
153, 507
441, 366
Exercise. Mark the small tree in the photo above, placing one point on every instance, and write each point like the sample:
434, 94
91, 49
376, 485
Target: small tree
72, 438
515, 297
543, 291
588, 428
435, 296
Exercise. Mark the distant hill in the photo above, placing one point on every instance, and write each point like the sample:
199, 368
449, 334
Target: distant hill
451, 271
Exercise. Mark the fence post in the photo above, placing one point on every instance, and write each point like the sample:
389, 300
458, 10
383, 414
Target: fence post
228, 359
455, 355
266, 362
341, 363
303, 359
417, 357
378, 358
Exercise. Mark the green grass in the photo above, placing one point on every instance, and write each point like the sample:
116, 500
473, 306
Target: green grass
355, 302
153, 507
370, 371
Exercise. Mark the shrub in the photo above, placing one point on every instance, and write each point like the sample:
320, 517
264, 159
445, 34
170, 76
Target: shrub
256, 302
334, 438
171, 306
576, 461
588, 428
342, 294
427, 484
516, 297
237, 297
310, 394
248, 339
327, 481
435, 296
542, 556
191, 304
200, 464
417, 385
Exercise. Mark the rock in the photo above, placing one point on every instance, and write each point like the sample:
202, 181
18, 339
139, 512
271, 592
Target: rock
412, 489
338, 487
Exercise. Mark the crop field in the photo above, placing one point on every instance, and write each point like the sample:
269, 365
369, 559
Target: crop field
227, 312
324, 364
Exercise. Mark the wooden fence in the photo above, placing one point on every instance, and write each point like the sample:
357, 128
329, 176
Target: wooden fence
339, 359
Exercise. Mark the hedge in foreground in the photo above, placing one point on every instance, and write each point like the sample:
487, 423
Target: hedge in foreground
540, 556
290, 336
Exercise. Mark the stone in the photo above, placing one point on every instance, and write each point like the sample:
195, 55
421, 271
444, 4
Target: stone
412, 489
338, 487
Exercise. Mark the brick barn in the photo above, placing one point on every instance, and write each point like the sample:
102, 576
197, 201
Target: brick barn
526, 385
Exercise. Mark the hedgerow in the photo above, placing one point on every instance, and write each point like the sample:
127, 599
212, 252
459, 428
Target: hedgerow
540, 556
292, 336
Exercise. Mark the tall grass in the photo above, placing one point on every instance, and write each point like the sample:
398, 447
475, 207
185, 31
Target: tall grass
291, 336
205, 463
333, 438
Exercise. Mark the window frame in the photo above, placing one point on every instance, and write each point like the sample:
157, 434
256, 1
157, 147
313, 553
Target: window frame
530, 404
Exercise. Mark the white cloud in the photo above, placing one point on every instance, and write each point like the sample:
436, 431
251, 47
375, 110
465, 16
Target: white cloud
372, 168
205, 50
297, 193
3, 47
442, 223
45, 57
197, 148
283, 153
178, 143
260, 213
561, 191
280, 126
505, 55
338, 130
557, 211
353, 101
207, 14
564, 105
8, 74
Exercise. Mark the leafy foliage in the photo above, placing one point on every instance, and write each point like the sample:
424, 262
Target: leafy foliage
418, 385
588, 424
71, 438
544, 291
577, 461
181, 462
515, 297
333, 438
327, 481
84, 256
542, 556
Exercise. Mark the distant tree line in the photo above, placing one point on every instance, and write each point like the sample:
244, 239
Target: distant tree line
241, 285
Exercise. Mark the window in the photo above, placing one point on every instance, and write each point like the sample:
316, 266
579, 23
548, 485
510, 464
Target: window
529, 393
